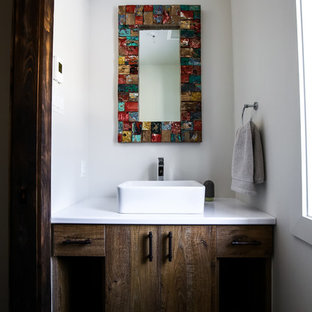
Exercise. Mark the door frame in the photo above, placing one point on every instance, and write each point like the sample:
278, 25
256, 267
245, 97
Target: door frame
30, 158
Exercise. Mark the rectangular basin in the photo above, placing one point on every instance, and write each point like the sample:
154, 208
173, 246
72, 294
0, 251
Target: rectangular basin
161, 197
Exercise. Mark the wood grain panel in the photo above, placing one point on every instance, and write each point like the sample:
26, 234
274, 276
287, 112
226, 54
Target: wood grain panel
132, 281
259, 237
60, 280
186, 280
78, 233
145, 277
31, 85
44, 104
214, 269
117, 268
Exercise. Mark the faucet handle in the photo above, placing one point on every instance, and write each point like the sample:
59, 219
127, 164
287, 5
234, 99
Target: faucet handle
161, 161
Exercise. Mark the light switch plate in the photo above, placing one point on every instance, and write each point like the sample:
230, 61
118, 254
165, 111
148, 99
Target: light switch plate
58, 68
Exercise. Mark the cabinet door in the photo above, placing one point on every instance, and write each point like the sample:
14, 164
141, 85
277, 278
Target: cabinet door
132, 280
187, 280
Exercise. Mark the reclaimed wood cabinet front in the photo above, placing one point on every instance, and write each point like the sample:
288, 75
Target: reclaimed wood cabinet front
132, 281
162, 268
159, 268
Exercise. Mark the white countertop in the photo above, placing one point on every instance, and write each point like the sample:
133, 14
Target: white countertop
105, 211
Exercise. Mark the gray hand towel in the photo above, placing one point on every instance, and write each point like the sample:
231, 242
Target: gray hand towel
247, 162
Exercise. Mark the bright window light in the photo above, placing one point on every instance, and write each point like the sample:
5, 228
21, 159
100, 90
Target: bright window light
304, 20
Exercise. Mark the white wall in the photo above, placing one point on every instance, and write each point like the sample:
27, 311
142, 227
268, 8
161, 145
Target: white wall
111, 163
70, 102
265, 69
5, 35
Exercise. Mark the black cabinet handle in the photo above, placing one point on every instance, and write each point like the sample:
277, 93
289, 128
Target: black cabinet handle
77, 241
170, 247
150, 243
246, 243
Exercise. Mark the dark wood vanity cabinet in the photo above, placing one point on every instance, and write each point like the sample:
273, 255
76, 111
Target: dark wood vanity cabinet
162, 268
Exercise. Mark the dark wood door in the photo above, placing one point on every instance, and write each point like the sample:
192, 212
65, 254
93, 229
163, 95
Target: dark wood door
187, 280
30, 168
132, 278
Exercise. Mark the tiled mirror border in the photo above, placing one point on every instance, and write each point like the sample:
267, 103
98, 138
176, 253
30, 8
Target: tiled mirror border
131, 18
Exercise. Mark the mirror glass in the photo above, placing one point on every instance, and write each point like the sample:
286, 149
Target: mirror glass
159, 69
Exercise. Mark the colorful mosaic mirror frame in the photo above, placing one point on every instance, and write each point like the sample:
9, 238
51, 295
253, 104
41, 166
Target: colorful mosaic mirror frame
132, 18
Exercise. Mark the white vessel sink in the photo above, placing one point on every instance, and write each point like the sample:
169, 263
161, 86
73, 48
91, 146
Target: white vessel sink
161, 197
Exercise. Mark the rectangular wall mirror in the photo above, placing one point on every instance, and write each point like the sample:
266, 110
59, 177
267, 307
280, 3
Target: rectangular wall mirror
159, 74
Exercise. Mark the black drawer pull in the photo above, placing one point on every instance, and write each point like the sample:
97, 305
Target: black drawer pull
77, 241
150, 244
170, 247
246, 243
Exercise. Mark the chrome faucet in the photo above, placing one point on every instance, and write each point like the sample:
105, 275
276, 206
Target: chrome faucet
160, 169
